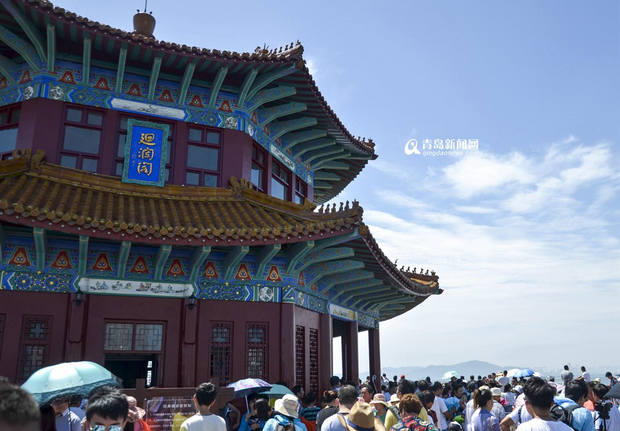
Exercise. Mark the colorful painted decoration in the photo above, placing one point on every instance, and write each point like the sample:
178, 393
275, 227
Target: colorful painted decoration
300, 280
20, 257
243, 273
254, 118
62, 261
140, 266
211, 271
166, 96
274, 274
225, 106
135, 288
68, 77
146, 152
102, 263
196, 101
25, 77
102, 83
134, 90
3, 82
176, 269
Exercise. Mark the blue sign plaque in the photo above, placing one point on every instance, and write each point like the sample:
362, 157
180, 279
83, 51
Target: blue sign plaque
146, 153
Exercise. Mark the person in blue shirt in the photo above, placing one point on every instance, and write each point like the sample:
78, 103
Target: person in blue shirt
576, 393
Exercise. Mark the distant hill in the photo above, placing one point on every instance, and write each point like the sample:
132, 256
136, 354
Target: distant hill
477, 368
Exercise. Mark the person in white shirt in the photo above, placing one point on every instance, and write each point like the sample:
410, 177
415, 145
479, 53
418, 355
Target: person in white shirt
204, 420
585, 374
440, 409
538, 402
598, 398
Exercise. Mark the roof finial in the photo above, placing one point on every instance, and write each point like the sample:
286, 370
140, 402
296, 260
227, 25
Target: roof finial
144, 23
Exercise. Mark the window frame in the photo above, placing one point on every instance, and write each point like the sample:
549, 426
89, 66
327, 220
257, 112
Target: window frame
82, 124
10, 124
256, 152
133, 349
276, 169
203, 143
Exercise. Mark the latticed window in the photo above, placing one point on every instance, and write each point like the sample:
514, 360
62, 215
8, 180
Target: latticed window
34, 345
300, 355
82, 137
257, 345
313, 345
137, 337
221, 351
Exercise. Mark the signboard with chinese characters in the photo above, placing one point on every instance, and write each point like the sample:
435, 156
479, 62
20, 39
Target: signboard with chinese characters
146, 152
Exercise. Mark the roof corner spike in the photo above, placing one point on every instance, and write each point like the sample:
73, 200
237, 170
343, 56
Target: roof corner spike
144, 23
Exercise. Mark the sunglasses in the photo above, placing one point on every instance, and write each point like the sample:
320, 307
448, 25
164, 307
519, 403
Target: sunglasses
104, 428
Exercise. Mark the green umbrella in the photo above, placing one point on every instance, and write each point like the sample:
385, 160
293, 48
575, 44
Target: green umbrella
68, 379
278, 391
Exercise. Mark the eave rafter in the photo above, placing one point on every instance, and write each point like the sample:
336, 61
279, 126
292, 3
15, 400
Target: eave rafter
233, 258
21, 47
123, 256
335, 166
347, 277
325, 175
267, 115
51, 48
187, 79
120, 70
296, 253
40, 245
280, 128
198, 258
313, 145
264, 257
329, 158
82, 255
155, 75
310, 156
377, 296
291, 139
270, 95
245, 86
326, 255
265, 79
391, 303
160, 260
31, 31
8, 69
320, 270
357, 285
323, 185
86, 60
217, 85
357, 297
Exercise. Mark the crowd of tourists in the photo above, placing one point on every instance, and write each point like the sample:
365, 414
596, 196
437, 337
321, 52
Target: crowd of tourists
491, 403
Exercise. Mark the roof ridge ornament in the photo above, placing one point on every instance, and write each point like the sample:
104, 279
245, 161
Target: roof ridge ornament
34, 160
144, 23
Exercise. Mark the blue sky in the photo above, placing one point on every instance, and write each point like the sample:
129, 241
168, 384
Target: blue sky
524, 235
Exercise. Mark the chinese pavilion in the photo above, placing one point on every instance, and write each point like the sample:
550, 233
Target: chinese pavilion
158, 210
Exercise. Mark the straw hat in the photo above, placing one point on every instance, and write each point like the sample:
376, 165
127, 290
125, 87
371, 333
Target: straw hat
362, 418
379, 399
287, 406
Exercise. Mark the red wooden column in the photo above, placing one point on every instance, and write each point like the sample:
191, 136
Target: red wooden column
374, 351
287, 343
351, 363
188, 344
326, 354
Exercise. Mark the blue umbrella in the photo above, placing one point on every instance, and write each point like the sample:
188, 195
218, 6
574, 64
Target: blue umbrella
278, 391
526, 372
68, 379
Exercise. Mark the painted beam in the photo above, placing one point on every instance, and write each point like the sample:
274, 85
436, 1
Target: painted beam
29, 28
2, 243
310, 156
267, 78
245, 87
217, 85
296, 253
198, 258
120, 70
154, 75
358, 285
330, 158
264, 257
82, 255
51, 48
325, 255
383, 304
22, 47
374, 297
40, 245
281, 127
233, 258
360, 296
86, 60
187, 79
123, 256
270, 95
323, 185
8, 69
347, 277
160, 260
320, 270
291, 139
267, 115
304, 147
325, 175
336, 166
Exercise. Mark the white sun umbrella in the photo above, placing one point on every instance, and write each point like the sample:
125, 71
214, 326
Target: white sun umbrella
512, 372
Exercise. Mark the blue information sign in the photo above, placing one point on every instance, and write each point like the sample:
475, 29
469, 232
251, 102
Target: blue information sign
146, 152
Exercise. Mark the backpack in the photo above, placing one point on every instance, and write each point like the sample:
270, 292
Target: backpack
395, 412
563, 414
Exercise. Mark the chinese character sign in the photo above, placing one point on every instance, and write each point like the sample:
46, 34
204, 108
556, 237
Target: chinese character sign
146, 152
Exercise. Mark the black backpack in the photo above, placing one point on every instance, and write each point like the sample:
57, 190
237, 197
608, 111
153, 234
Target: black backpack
563, 414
